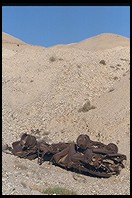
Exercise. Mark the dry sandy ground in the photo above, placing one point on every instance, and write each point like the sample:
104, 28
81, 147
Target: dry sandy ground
46, 88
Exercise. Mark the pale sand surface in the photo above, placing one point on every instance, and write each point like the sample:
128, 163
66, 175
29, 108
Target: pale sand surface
38, 93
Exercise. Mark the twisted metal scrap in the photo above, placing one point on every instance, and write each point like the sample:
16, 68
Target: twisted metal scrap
85, 156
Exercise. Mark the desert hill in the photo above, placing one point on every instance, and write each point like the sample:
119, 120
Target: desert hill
99, 42
6, 38
49, 89
102, 42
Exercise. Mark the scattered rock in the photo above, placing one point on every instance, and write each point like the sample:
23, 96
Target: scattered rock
36, 192
115, 77
124, 59
118, 65
79, 178
102, 62
112, 66
60, 59
112, 89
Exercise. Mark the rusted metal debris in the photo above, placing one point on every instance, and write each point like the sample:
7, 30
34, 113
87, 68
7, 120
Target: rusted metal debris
84, 156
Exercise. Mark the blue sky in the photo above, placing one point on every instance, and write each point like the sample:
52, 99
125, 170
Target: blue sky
52, 25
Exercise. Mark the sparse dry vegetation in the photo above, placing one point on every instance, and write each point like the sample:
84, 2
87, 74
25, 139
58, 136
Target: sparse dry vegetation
52, 59
59, 191
86, 107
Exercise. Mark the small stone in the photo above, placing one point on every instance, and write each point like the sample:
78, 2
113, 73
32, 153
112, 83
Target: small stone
102, 62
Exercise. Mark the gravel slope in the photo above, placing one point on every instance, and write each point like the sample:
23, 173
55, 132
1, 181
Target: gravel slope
39, 93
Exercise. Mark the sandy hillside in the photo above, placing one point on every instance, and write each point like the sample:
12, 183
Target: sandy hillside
48, 89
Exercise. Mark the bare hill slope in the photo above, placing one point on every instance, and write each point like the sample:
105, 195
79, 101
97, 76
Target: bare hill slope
99, 42
6, 38
48, 89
